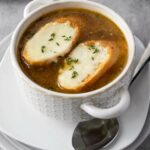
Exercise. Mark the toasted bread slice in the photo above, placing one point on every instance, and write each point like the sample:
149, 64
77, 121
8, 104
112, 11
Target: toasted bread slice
87, 63
51, 41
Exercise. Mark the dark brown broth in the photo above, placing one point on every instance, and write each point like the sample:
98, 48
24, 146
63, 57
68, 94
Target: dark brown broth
93, 26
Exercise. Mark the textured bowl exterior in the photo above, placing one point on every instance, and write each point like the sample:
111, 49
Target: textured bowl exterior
68, 109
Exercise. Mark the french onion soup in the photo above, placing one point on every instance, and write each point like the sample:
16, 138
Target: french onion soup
72, 51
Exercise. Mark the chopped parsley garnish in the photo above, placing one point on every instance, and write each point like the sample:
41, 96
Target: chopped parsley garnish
43, 48
91, 47
92, 58
71, 68
70, 60
74, 74
52, 36
57, 44
67, 38
94, 49
30, 34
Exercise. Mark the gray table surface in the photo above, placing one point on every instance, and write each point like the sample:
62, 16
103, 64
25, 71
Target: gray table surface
135, 12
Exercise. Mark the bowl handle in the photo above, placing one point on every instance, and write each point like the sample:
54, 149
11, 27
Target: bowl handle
107, 113
34, 4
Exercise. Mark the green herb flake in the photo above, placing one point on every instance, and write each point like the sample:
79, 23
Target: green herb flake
70, 60
52, 36
67, 38
91, 47
71, 68
96, 50
30, 34
50, 39
43, 48
57, 44
74, 74
92, 58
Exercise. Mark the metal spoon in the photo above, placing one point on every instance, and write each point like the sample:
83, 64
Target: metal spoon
95, 133
99, 133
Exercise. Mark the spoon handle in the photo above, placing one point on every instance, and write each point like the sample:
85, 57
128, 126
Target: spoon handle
143, 61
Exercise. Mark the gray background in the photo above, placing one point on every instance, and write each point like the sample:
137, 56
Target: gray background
135, 12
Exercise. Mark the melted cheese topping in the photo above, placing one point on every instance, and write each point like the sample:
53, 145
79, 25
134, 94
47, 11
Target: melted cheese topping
53, 40
89, 59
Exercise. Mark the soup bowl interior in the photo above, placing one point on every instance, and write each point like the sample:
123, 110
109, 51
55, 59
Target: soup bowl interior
24, 24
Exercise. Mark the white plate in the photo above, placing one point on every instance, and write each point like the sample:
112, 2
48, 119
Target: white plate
20, 121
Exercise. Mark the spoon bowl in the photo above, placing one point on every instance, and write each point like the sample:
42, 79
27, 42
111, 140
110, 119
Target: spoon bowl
95, 133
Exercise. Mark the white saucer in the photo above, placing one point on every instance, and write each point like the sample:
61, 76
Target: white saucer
20, 121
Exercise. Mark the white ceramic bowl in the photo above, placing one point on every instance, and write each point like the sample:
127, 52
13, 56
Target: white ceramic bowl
106, 102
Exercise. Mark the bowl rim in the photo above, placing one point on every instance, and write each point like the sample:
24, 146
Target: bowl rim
69, 95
